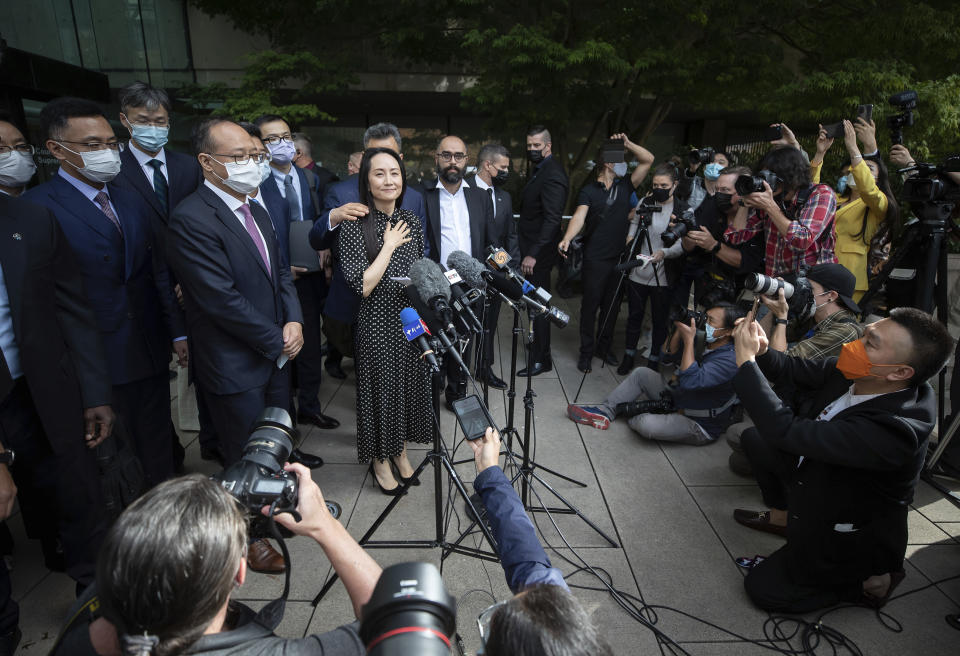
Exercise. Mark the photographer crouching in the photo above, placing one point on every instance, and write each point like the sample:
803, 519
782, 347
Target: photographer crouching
698, 408
840, 472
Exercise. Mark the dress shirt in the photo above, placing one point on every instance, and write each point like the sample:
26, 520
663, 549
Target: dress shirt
90, 192
8, 339
483, 185
280, 175
234, 206
848, 400
143, 160
454, 222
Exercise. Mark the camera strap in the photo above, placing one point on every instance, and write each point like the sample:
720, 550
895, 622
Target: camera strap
271, 614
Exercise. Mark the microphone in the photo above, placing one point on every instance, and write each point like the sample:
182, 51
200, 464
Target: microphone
434, 325
508, 288
635, 261
536, 298
464, 271
414, 330
432, 286
470, 270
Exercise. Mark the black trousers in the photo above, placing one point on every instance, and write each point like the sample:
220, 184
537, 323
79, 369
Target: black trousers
540, 349
659, 298
771, 466
771, 586
144, 408
599, 287
234, 414
311, 290
490, 320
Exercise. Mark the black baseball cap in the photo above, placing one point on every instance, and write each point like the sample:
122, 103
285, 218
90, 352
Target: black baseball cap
836, 278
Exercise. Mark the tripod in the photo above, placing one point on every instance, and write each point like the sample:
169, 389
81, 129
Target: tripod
439, 458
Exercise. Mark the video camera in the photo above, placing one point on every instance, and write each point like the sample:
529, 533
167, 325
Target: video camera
684, 224
258, 478
930, 184
750, 184
798, 293
645, 211
701, 155
907, 102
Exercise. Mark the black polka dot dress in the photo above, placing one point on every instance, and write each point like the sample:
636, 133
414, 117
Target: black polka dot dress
393, 383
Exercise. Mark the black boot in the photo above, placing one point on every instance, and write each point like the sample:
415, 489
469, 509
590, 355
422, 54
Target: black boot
626, 365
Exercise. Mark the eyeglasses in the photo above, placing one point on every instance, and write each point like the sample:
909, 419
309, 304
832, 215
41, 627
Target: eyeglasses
25, 149
446, 156
273, 141
152, 124
94, 145
484, 618
258, 158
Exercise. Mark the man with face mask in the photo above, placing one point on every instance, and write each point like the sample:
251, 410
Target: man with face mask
127, 282
541, 213
839, 472
16, 159
459, 217
692, 188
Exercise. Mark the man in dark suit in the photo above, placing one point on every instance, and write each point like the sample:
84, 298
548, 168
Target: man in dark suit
289, 199
458, 217
54, 396
342, 203
845, 466
241, 304
162, 178
493, 169
320, 178
538, 230
125, 279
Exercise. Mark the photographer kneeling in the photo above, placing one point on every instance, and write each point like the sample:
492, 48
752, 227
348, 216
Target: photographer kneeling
840, 472
171, 561
701, 403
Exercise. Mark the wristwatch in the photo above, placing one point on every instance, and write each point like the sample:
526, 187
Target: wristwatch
779, 321
7, 457
716, 248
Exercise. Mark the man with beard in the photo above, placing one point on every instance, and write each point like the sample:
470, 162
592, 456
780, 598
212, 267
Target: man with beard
457, 216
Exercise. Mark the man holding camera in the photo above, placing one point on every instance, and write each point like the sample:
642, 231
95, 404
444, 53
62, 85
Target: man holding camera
694, 189
702, 399
838, 473
797, 215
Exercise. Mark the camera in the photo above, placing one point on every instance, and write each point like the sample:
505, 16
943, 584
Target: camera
645, 211
930, 183
796, 290
761, 284
702, 155
258, 478
683, 225
662, 406
750, 184
907, 102
684, 315
409, 612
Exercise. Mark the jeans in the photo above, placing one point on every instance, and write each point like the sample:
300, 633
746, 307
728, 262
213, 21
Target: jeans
637, 298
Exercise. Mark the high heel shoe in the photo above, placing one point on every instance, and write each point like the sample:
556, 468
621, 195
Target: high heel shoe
395, 492
413, 480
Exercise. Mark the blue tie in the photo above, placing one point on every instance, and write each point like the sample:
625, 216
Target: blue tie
159, 184
292, 200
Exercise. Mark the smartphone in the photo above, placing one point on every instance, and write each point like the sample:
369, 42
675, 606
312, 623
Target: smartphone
834, 130
472, 416
613, 151
772, 133
756, 304
865, 112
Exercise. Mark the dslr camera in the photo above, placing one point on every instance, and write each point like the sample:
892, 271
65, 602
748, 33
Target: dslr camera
798, 293
684, 315
683, 225
701, 155
258, 478
750, 184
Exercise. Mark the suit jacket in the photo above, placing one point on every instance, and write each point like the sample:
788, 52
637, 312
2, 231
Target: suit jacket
280, 211
183, 178
541, 209
502, 231
859, 468
322, 179
236, 309
61, 353
479, 208
125, 278
342, 302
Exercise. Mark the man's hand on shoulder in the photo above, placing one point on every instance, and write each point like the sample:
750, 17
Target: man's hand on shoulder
348, 212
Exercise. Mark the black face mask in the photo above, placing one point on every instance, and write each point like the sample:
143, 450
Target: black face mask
500, 178
661, 195
535, 156
724, 201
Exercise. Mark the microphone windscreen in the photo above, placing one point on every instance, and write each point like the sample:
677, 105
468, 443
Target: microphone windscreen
417, 302
429, 280
508, 288
409, 315
469, 269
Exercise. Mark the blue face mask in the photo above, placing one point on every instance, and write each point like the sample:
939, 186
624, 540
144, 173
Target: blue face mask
711, 333
620, 169
712, 170
149, 137
842, 184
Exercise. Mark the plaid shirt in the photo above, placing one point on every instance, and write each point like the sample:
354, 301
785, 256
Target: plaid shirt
829, 336
810, 239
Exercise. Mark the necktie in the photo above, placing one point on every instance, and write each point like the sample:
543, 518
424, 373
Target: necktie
291, 193
251, 227
160, 184
492, 199
104, 202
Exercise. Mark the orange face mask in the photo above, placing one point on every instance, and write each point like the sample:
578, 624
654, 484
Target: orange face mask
854, 362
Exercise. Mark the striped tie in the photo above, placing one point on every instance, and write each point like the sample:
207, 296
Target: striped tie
104, 202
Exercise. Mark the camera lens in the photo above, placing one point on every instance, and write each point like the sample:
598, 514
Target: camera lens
409, 612
271, 441
761, 284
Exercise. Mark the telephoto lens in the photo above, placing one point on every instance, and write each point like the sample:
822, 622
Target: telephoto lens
410, 612
761, 284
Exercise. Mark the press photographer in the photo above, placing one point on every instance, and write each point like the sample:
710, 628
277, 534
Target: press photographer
844, 464
692, 188
694, 411
797, 215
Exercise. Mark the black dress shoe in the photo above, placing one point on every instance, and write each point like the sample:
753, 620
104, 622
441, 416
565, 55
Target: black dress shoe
334, 369
537, 369
626, 365
308, 460
317, 419
492, 380
213, 453
583, 364
609, 358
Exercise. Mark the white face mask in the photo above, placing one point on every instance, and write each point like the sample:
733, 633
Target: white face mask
620, 169
242, 178
99, 165
265, 171
16, 168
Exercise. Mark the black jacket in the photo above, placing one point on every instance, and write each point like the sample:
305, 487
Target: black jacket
502, 231
480, 209
541, 210
859, 468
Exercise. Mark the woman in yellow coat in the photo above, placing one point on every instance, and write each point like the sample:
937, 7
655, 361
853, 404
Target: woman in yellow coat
865, 203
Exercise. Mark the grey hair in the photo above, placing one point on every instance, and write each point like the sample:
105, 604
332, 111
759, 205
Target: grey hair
303, 142
491, 150
167, 566
382, 131
141, 94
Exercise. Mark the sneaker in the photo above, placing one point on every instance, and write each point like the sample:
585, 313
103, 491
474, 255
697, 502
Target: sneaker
588, 415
